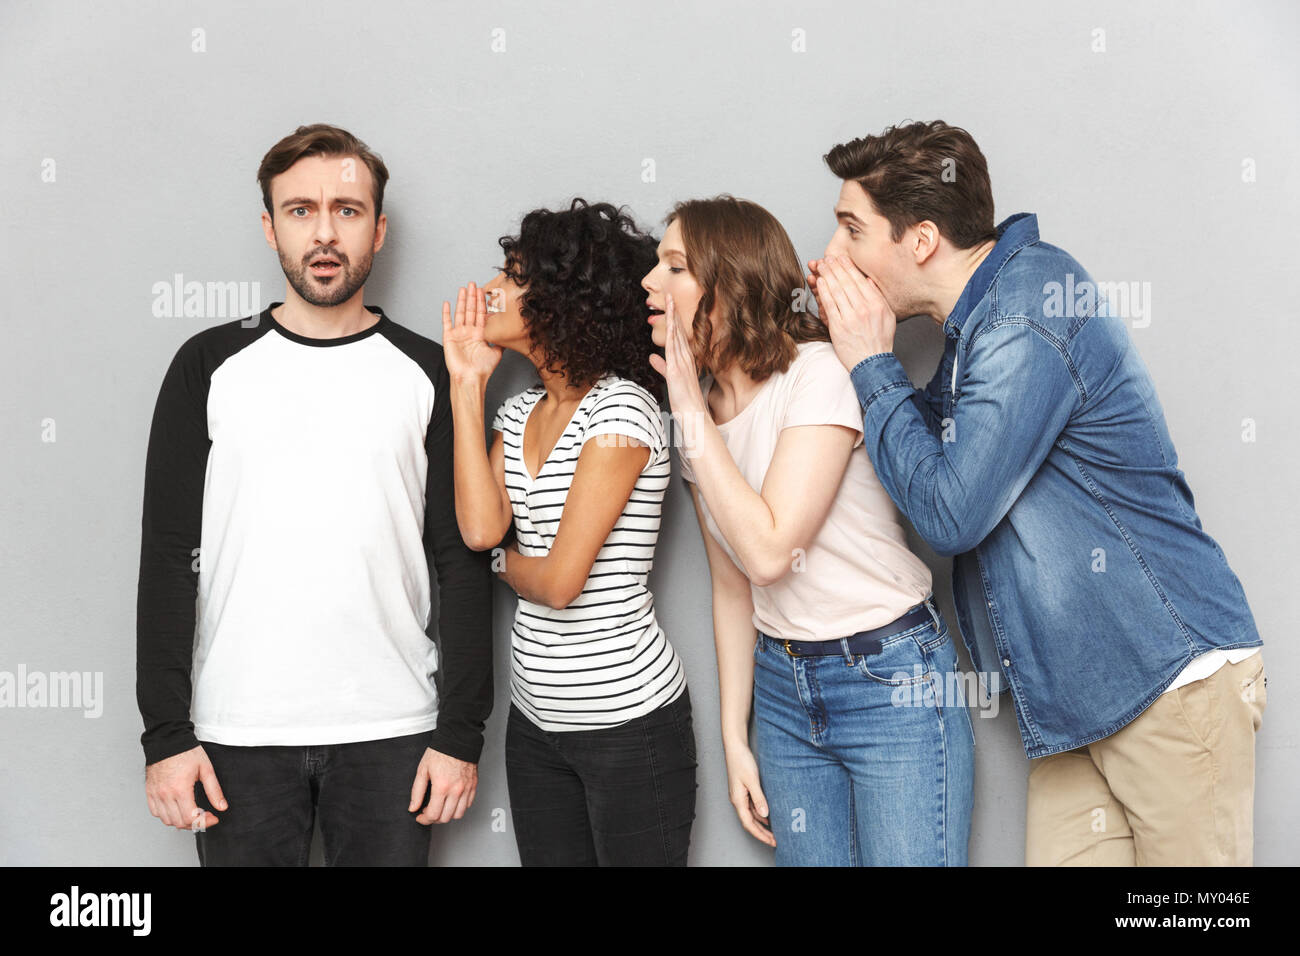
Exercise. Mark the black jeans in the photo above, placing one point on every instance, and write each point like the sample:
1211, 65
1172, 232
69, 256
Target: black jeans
360, 791
618, 796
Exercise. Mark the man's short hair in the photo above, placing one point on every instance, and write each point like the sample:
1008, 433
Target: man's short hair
319, 139
921, 171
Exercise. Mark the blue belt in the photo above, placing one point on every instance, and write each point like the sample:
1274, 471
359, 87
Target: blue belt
863, 642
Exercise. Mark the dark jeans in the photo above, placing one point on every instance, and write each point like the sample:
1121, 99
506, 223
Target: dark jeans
360, 791
618, 796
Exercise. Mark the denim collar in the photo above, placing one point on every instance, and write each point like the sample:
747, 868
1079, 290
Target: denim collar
1014, 233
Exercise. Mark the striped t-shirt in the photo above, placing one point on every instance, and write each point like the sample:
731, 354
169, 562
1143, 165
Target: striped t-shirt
604, 659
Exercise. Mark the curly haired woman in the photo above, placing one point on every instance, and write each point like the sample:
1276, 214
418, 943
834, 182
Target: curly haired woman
600, 748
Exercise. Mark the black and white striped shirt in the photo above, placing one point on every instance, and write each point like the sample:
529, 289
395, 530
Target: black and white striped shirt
604, 659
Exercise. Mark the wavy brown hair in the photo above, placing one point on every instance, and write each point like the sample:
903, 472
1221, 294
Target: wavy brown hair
745, 264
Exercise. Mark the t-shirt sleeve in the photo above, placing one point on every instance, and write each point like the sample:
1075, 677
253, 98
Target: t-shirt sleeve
629, 411
821, 393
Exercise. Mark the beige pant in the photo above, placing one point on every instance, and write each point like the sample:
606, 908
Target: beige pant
1174, 787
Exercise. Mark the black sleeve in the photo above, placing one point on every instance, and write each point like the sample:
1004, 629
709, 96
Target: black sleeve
175, 467
465, 596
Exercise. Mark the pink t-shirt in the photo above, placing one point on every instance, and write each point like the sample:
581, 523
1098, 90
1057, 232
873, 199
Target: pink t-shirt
858, 572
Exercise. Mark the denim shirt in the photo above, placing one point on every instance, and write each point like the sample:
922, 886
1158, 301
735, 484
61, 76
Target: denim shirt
1039, 456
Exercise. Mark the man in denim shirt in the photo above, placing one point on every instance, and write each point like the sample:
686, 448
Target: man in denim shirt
1038, 455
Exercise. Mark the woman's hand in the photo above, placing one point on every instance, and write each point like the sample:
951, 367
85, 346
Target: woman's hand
678, 369
469, 355
747, 794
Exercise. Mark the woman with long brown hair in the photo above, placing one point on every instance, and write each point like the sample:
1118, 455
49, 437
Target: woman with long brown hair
863, 749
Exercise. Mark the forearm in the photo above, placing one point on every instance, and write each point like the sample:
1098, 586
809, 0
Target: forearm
528, 576
930, 407
901, 445
479, 510
741, 513
164, 644
465, 632
733, 640
165, 616
1018, 394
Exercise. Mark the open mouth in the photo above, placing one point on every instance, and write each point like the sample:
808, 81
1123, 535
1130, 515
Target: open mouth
654, 313
325, 267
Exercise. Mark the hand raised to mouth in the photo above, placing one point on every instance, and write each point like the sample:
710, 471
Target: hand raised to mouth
467, 351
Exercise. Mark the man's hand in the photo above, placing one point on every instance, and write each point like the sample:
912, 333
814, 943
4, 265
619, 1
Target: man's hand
451, 784
854, 309
169, 788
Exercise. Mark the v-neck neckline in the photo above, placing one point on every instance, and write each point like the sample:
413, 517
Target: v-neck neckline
523, 432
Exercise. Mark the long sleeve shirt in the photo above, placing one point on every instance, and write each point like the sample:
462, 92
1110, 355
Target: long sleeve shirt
1039, 456
298, 504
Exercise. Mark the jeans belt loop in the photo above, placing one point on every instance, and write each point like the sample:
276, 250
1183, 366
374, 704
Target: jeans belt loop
934, 613
848, 654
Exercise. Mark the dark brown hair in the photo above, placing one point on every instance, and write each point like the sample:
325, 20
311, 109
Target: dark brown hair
319, 139
903, 171
583, 304
745, 263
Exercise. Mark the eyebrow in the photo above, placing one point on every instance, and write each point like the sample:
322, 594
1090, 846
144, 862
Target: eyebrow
844, 214
672, 252
306, 201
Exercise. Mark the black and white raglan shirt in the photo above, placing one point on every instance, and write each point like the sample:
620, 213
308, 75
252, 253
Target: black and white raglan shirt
602, 660
298, 500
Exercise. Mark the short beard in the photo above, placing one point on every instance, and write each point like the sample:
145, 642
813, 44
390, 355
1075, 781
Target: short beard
337, 290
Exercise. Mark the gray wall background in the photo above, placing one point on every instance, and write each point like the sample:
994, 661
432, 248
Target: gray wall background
1132, 157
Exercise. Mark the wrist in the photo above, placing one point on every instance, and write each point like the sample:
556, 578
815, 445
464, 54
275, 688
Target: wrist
867, 358
734, 742
469, 381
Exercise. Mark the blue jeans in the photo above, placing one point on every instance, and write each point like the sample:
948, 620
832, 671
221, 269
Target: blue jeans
866, 759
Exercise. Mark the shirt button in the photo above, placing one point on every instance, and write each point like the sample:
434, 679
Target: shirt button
1006, 662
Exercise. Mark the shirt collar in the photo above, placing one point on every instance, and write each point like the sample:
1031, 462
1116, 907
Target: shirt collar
1014, 233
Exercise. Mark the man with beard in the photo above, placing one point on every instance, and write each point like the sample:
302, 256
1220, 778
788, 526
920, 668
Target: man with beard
1039, 457
299, 487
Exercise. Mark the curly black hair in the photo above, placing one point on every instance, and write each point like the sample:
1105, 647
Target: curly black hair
583, 302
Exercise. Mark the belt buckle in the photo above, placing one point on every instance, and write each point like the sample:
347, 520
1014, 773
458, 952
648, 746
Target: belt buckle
786, 642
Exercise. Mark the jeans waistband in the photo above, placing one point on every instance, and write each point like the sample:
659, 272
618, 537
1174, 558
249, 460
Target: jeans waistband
863, 642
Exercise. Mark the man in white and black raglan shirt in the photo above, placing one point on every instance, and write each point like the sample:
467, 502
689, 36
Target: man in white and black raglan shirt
298, 501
